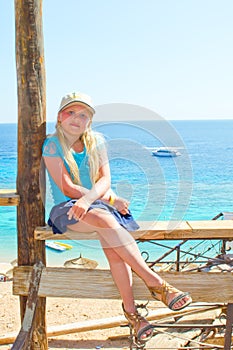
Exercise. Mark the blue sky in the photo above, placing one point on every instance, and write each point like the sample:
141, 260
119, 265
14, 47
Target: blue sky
171, 56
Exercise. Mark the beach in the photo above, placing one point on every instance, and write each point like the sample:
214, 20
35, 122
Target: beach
74, 313
61, 311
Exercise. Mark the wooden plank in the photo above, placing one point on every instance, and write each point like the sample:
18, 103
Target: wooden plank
203, 286
24, 337
213, 228
148, 230
159, 230
8, 197
117, 321
111, 322
45, 233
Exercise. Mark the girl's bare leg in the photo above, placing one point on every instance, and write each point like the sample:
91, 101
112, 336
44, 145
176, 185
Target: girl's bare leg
123, 279
114, 236
122, 275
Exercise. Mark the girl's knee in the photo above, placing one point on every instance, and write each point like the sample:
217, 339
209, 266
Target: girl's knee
102, 219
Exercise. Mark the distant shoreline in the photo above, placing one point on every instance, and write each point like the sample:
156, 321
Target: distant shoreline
143, 120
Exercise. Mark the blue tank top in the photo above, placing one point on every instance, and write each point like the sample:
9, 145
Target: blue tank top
52, 148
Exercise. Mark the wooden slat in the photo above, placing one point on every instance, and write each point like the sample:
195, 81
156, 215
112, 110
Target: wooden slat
117, 321
111, 322
158, 230
24, 337
214, 228
67, 282
8, 197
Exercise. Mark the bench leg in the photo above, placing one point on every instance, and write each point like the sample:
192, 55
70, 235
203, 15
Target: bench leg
229, 324
24, 337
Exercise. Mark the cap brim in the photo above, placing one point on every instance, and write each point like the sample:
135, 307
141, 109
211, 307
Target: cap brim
79, 103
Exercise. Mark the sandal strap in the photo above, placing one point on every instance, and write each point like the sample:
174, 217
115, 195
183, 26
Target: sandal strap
164, 290
135, 319
143, 330
178, 298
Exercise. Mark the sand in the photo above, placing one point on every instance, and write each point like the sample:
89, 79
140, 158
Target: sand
64, 311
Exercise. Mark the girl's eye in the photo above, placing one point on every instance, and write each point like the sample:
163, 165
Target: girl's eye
83, 116
76, 114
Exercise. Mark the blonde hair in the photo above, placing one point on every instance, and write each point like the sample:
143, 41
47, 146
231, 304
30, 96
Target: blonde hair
89, 140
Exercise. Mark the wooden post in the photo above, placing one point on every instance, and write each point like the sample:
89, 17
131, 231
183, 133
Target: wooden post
229, 324
31, 133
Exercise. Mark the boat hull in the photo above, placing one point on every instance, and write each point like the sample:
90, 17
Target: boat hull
165, 154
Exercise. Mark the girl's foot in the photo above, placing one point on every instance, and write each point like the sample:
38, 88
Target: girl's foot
142, 329
171, 296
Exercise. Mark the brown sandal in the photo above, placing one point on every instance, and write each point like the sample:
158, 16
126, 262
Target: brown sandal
135, 321
164, 290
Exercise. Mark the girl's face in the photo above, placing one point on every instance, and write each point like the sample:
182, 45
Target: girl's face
75, 119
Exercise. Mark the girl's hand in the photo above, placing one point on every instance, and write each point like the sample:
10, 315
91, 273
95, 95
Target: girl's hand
121, 205
79, 209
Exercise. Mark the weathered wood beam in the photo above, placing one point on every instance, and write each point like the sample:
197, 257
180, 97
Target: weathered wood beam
8, 197
158, 230
203, 286
23, 339
116, 321
31, 133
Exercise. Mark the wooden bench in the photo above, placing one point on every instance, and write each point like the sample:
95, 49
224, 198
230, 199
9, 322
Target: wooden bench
206, 289
212, 287
203, 286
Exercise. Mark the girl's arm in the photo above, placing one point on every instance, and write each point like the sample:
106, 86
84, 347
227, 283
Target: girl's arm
100, 190
61, 177
102, 186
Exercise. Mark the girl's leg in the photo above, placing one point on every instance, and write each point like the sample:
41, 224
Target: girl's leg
122, 275
121, 241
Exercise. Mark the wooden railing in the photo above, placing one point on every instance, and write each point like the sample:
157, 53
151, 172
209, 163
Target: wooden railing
212, 287
203, 286
8, 197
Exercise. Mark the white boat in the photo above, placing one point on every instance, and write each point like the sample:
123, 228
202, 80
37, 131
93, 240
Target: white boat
166, 152
65, 245
55, 246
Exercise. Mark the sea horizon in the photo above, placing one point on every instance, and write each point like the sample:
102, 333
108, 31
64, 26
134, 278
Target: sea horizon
135, 120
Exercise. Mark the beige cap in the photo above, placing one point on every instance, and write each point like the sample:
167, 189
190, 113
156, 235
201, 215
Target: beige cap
77, 97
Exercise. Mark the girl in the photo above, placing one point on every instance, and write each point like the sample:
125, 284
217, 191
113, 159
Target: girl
78, 168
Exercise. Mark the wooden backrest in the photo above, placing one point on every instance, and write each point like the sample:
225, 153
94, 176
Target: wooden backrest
98, 284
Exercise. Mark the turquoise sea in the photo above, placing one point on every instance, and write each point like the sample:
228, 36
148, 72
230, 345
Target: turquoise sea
194, 186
